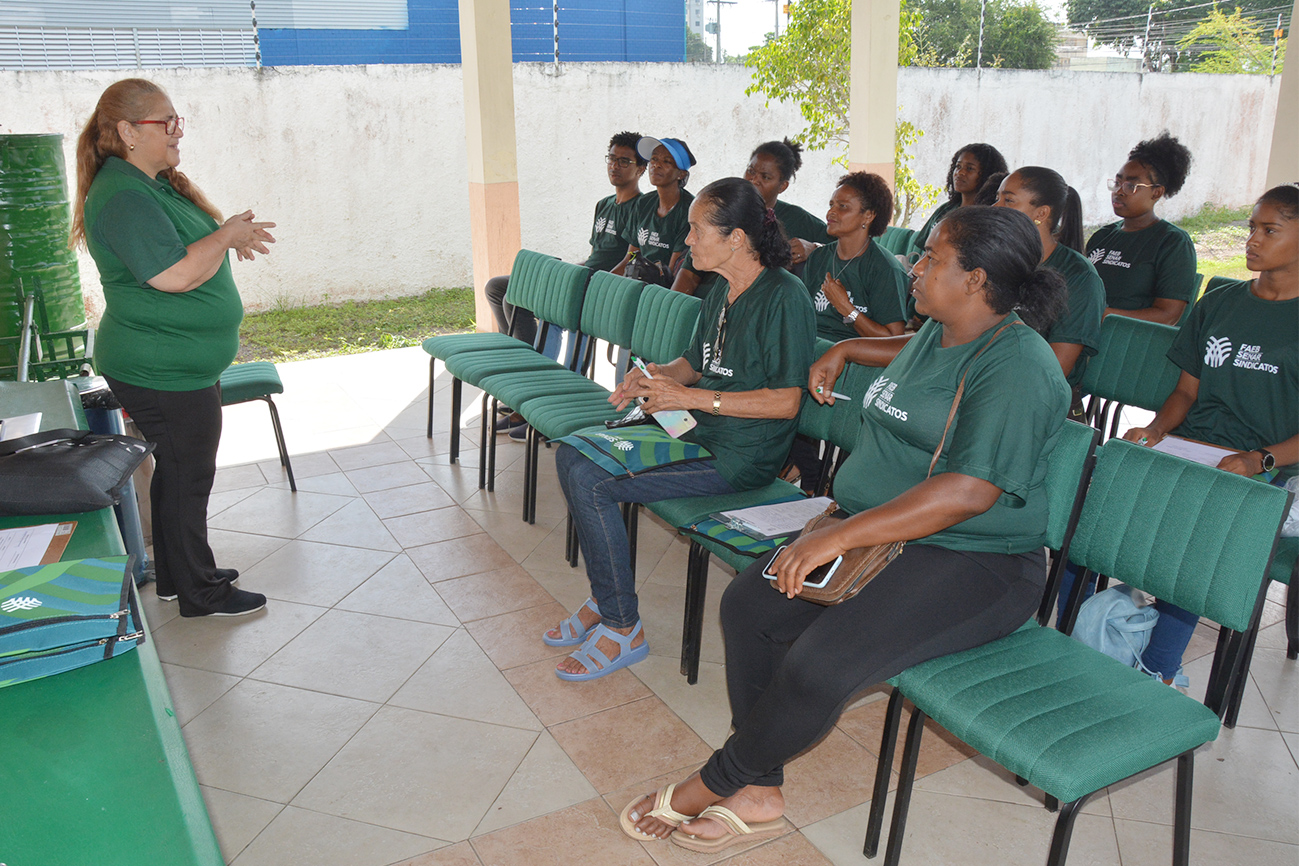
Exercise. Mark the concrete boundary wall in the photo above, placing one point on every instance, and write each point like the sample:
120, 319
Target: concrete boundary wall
363, 167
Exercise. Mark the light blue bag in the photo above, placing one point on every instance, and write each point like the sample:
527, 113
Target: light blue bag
1113, 623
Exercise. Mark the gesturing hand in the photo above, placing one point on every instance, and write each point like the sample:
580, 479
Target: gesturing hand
247, 236
837, 294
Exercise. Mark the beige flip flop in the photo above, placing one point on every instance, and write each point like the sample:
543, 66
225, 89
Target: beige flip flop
737, 831
662, 810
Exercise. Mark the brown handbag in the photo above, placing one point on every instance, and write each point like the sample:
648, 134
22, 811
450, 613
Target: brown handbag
861, 564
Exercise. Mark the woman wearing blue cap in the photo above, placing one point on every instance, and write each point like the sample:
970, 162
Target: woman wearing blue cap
656, 232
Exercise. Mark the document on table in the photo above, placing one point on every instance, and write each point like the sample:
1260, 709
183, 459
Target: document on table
34, 545
1189, 449
773, 521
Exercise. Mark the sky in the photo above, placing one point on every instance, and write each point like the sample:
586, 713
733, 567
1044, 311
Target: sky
745, 23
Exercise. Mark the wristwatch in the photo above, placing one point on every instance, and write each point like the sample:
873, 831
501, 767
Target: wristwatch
851, 317
1269, 461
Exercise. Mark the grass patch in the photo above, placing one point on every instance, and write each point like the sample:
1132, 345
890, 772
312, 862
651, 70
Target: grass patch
1213, 217
290, 334
1233, 268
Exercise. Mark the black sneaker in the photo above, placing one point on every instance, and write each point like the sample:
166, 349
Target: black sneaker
507, 426
229, 574
239, 603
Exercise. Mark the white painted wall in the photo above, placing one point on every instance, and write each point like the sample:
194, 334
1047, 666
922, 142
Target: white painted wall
363, 167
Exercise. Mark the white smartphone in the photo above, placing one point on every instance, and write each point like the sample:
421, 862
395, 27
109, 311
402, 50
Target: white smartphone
820, 575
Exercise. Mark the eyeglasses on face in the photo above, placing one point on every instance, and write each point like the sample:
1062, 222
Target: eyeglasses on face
1128, 187
171, 127
620, 161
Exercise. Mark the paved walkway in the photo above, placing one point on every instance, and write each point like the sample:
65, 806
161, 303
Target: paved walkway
395, 704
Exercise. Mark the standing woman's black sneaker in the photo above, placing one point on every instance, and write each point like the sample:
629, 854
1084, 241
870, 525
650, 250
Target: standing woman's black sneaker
239, 603
228, 574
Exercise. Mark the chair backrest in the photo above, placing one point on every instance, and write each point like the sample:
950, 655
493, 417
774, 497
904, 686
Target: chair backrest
665, 324
1132, 365
609, 309
551, 289
1188, 534
846, 421
1196, 294
1068, 469
895, 239
1214, 283
813, 417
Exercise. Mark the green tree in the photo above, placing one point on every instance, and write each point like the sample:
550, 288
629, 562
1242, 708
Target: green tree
1122, 24
1016, 35
1232, 44
697, 50
809, 65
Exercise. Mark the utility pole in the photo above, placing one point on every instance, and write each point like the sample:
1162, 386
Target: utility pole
1145, 41
717, 57
1276, 38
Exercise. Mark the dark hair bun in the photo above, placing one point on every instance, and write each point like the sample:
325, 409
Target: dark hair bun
735, 204
1167, 158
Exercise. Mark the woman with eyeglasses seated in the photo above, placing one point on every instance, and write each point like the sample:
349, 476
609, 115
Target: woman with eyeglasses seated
741, 378
973, 569
771, 169
1146, 263
170, 324
656, 230
1055, 209
1239, 387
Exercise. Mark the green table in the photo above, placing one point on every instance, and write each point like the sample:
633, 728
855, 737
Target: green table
95, 770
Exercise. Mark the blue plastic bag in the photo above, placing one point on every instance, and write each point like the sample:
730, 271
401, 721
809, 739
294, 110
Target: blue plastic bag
1113, 623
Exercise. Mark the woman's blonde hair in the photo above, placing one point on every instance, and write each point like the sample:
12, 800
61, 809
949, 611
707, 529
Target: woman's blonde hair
128, 99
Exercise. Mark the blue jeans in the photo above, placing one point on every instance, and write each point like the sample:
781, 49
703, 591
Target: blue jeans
1169, 638
593, 501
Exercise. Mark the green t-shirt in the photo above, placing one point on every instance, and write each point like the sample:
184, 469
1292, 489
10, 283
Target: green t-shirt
136, 228
658, 237
1245, 352
1137, 267
1080, 323
798, 223
607, 244
875, 282
917, 244
1009, 419
766, 340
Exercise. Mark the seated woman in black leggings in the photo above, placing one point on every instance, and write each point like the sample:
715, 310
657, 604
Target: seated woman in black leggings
974, 570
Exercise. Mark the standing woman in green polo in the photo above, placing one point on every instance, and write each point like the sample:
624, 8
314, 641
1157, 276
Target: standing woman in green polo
171, 322
1146, 263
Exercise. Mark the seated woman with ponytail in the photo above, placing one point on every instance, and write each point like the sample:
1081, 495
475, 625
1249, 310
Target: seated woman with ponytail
973, 569
741, 378
1043, 196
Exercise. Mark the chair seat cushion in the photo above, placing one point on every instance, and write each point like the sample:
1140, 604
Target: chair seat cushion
1056, 712
473, 367
517, 388
735, 560
692, 509
243, 382
554, 417
446, 345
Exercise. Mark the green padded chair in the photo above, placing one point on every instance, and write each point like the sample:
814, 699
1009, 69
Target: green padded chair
1131, 368
896, 239
258, 380
1072, 721
1285, 569
553, 291
608, 314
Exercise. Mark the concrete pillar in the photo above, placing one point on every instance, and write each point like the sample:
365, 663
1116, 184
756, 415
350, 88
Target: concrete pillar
486, 64
1283, 162
873, 94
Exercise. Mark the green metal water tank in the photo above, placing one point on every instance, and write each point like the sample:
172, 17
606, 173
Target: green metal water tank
34, 223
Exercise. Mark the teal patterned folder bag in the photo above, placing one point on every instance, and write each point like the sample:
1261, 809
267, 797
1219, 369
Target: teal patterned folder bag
65, 615
632, 450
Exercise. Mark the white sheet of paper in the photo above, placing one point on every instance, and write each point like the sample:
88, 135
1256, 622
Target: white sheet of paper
781, 518
25, 545
1209, 455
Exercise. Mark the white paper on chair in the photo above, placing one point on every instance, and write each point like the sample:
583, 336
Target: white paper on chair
773, 521
1187, 449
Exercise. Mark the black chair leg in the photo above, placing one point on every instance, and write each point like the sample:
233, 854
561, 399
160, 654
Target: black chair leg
883, 770
279, 443
483, 433
692, 627
455, 419
1292, 616
573, 545
1240, 682
631, 517
530, 494
902, 799
1064, 831
527, 472
1182, 808
491, 445
432, 365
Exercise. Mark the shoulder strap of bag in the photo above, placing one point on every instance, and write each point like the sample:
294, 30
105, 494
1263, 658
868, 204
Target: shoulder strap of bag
45, 437
956, 401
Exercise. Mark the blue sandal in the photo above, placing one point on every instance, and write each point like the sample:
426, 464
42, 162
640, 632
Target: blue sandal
589, 656
568, 629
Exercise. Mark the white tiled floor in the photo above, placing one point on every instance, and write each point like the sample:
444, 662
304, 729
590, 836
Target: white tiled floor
395, 703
